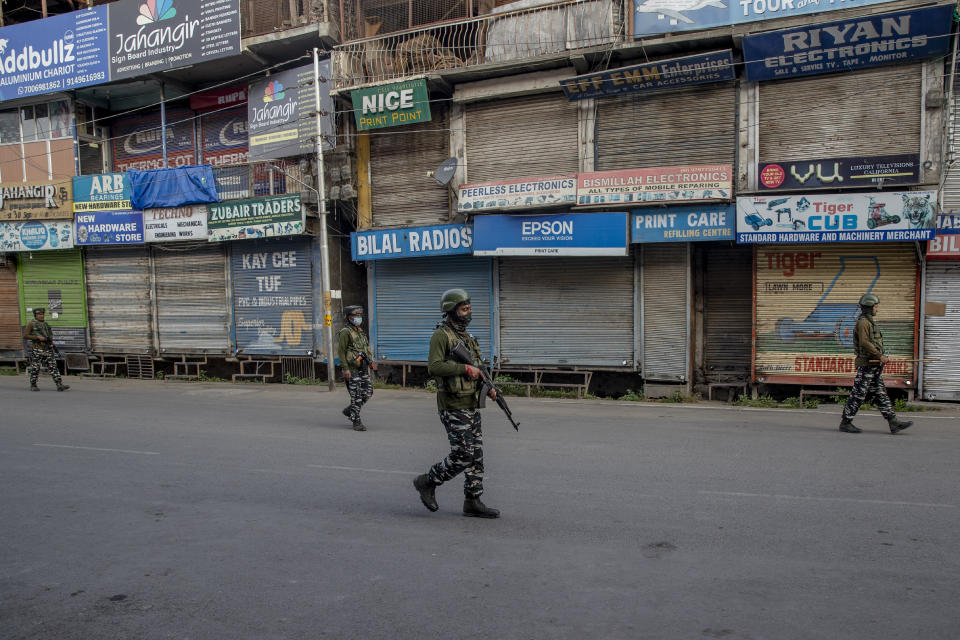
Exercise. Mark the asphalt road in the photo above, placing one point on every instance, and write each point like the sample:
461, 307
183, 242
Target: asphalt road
176, 510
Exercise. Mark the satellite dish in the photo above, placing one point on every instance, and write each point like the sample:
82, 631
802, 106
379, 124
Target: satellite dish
444, 173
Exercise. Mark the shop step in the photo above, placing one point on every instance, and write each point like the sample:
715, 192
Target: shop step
251, 368
726, 385
140, 367
184, 369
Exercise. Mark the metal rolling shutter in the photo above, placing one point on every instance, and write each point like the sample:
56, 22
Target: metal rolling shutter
192, 314
665, 299
941, 379
10, 333
680, 127
120, 300
567, 311
806, 315
402, 193
520, 137
871, 112
54, 280
727, 312
407, 297
950, 198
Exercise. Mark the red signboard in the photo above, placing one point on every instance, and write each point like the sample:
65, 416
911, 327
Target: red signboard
219, 98
944, 248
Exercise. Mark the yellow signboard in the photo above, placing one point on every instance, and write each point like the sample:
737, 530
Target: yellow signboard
36, 200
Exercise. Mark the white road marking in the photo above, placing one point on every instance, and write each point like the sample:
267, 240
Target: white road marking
70, 446
741, 494
327, 466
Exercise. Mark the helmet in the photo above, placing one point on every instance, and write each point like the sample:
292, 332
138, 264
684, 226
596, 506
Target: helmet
38, 311
351, 310
451, 298
869, 300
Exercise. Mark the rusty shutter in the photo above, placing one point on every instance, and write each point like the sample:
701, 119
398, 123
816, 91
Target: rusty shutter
807, 305
400, 158
941, 334
727, 312
10, 334
192, 314
665, 311
861, 113
119, 299
697, 125
521, 137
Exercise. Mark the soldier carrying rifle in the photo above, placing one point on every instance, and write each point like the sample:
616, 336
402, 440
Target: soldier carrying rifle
356, 358
41, 335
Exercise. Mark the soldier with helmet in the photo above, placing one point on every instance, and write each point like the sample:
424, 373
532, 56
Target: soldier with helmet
356, 357
41, 335
868, 345
457, 403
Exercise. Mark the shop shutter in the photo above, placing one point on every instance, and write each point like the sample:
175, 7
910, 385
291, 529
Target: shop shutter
697, 125
273, 296
400, 158
10, 327
54, 280
407, 296
567, 311
950, 199
871, 112
521, 137
727, 312
192, 314
120, 299
808, 304
665, 299
941, 334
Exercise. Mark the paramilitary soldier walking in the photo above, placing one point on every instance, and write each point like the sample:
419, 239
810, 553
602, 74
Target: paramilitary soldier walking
355, 358
41, 335
868, 345
457, 402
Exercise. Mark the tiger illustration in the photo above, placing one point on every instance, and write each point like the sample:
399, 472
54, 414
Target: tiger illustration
918, 210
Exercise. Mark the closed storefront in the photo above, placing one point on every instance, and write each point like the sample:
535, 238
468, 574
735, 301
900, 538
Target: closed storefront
191, 285
665, 311
273, 296
9, 306
54, 280
120, 299
807, 305
941, 325
950, 194
727, 311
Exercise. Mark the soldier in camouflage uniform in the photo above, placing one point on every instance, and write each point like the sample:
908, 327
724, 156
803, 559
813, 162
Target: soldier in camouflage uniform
41, 335
868, 345
457, 403
352, 342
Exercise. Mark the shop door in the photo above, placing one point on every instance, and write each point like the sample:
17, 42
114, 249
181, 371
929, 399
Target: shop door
192, 314
727, 312
407, 296
941, 334
120, 299
54, 280
567, 311
10, 327
665, 311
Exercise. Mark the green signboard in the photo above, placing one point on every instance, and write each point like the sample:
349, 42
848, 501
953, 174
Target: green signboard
256, 218
391, 105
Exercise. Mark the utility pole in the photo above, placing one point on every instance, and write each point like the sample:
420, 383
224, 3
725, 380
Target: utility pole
324, 248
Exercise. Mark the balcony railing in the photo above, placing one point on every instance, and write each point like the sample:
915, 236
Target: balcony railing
260, 17
502, 36
260, 179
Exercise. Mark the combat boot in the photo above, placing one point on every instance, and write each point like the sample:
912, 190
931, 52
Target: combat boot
62, 387
358, 425
426, 487
33, 387
474, 508
897, 425
346, 412
847, 426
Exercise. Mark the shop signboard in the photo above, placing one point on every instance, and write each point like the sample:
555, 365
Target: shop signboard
265, 217
273, 296
694, 223
36, 235
224, 137
663, 74
412, 242
219, 98
948, 224
562, 234
109, 227
899, 216
833, 173
945, 247
36, 200
280, 114
667, 16
138, 143
844, 45
391, 105
106, 192
528, 193
177, 223
58, 53
659, 184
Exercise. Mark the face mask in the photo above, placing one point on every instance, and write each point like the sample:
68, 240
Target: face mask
356, 321
465, 318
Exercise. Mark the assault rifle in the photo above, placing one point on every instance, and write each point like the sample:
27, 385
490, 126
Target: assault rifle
462, 354
363, 360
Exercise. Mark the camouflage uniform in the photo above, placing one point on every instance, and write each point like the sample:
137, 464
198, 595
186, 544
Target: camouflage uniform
352, 341
41, 354
868, 343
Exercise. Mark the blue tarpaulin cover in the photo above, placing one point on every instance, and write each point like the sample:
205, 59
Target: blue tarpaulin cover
158, 188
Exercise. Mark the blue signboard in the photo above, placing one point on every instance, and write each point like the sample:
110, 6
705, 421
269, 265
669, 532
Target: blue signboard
564, 234
412, 242
110, 227
856, 43
664, 74
667, 16
948, 224
684, 224
63, 52
101, 192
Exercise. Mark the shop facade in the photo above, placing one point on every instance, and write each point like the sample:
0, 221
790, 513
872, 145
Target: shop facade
940, 371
